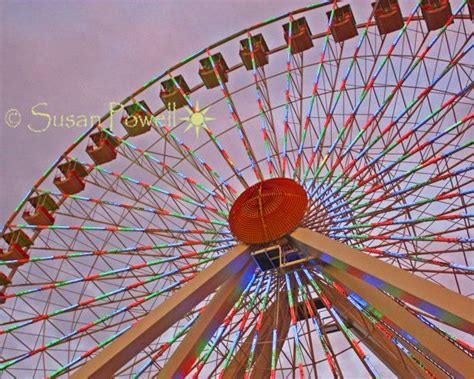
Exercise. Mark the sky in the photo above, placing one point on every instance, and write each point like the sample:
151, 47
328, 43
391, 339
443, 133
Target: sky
77, 57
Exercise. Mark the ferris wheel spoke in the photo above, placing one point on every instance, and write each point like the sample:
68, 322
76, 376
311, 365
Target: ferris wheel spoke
158, 352
388, 99
104, 318
406, 173
270, 117
232, 363
293, 109
328, 107
458, 342
398, 237
428, 143
122, 229
402, 175
400, 226
65, 368
275, 322
136, 209
241, 325
51, 285
108, 273
108, 213
159, 168
314, 93
378, 205
421, 166
106, 295
340, 91
149, 188
284, 143
327, 104
294, 327
449, 103
232, 358
402, 222
298, 39
101, 319
389, 210
211, 135
379, 305
100, 345
238, 123
207, 167
190, 155
457, 194
451, 171
266, 122
256, 332
109, 258
368, 86
317, 323
142, 249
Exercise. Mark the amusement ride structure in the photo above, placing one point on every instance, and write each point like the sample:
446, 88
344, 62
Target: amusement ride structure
293, 201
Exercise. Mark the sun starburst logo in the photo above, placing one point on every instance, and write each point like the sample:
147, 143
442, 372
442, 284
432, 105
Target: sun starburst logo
197, 118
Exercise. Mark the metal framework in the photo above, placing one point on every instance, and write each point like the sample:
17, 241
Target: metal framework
121, 260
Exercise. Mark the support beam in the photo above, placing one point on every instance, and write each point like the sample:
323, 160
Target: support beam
281, 321
183, 358
159, 320
451, 307
263, 348
445, 353
385, 355
378, 343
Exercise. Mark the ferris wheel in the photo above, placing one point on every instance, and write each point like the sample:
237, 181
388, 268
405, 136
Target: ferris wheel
295, 200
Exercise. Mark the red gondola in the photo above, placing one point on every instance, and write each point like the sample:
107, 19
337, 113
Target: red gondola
41, 214
300, 35
137, 120
4, 281
19, 237
436, 13
102, 148
207, 73
260, 51
72, 180
14, 252
172, 95
343, 25
388, 16
18, 241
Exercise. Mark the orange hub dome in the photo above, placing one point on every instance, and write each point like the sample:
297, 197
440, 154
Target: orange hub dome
268, 210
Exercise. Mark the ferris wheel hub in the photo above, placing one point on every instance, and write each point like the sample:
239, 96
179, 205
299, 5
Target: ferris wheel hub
268, 211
